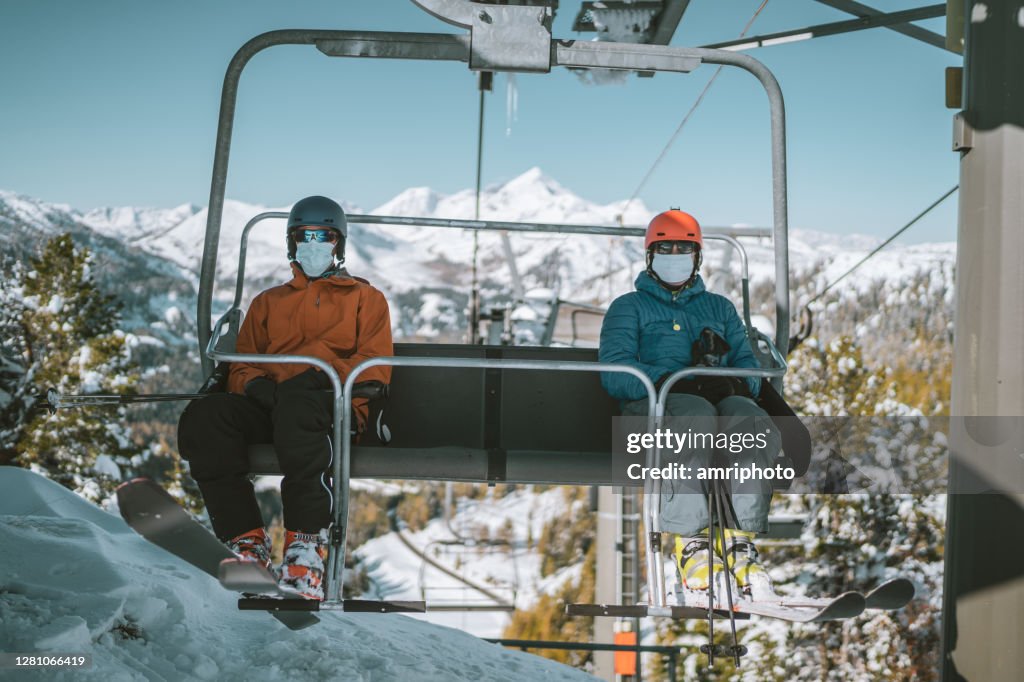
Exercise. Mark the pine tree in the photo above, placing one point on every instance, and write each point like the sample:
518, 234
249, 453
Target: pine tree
69, 341
14, 404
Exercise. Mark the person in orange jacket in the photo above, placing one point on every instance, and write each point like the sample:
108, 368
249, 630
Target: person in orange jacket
324, 312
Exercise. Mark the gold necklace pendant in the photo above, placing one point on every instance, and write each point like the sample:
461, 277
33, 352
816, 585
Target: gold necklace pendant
675, 326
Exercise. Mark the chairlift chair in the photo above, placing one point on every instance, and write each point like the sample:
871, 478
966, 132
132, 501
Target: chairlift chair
514, 38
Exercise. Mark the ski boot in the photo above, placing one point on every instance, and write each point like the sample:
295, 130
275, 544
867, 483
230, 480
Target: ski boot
741, 556
302, 570
691, 560
252, 546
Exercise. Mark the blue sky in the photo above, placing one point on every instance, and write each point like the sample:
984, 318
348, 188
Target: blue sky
115, 103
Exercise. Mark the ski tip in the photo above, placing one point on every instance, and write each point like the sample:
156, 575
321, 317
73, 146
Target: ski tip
127, 484
891, 595
846, 605
140, 480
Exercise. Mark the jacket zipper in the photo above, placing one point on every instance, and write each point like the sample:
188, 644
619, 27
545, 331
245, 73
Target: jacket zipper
675, 319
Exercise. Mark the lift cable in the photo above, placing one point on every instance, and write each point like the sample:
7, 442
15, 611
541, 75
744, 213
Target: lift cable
672, 139
806, 324
483, 85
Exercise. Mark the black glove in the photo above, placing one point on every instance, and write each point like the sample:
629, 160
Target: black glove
685, 385
310, 380
741, 387
715, 389
263, 391
709, 349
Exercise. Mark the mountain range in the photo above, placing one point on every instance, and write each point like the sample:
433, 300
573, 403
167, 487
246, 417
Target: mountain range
150, 256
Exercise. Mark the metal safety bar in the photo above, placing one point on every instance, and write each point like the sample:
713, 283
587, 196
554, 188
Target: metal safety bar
336, 559
561, 228
460, 48
342, 446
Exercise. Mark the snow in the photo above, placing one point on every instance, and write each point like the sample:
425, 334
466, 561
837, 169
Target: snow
106, 465
81, 581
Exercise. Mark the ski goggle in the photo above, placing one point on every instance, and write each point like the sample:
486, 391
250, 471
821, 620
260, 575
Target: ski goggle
666, 248
314, 235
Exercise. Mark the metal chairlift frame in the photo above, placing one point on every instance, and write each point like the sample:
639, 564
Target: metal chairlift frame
500, 38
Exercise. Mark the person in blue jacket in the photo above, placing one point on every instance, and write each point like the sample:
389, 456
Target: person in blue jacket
669, 323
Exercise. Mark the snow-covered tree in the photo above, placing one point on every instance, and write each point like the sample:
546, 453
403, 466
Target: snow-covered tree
66, 338
13, 403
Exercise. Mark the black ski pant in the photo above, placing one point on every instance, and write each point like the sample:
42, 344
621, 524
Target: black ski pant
214, 433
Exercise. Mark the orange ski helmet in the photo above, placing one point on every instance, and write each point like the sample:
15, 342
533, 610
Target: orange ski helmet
673, 225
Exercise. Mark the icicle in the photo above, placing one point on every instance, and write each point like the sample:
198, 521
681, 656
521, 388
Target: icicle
511, 104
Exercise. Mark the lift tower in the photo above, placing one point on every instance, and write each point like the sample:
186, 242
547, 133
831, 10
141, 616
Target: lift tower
984, 578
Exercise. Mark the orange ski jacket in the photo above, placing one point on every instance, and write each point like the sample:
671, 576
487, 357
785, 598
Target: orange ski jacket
340, 319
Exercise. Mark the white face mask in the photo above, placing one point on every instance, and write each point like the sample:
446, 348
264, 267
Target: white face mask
314, 257
674, 268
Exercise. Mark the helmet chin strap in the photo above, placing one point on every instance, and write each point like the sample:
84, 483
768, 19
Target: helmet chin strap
697, 260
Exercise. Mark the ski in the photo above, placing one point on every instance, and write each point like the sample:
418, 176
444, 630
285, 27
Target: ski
846, 605
250, 577
155, 515
645, 611
889, 596
262, 592
695, 606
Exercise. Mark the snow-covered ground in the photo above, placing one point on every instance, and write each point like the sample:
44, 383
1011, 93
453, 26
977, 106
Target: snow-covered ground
75, 579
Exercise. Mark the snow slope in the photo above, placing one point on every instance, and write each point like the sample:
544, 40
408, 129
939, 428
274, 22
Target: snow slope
76, 579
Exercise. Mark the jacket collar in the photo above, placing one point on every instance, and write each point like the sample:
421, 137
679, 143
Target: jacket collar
337, 277
647, 284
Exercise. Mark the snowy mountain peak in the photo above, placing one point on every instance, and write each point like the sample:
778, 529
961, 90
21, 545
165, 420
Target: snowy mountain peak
533, 180
415, 201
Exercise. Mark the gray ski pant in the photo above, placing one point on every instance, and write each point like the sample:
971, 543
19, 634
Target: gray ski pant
684, 504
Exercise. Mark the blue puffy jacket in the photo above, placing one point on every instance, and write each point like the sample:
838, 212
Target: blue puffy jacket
639, 330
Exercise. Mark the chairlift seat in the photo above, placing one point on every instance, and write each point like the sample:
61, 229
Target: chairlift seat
486, 425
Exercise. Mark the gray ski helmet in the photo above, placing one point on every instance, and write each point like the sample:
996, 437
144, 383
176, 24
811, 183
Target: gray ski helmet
317, 211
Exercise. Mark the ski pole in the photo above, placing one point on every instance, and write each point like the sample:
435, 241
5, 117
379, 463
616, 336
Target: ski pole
711, 580
56, 401
728, 581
